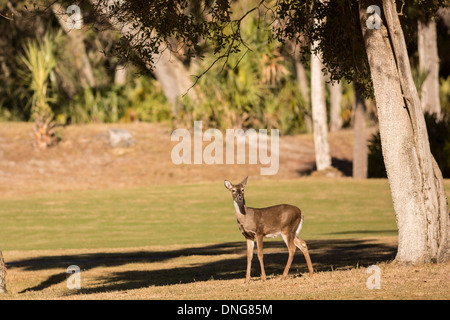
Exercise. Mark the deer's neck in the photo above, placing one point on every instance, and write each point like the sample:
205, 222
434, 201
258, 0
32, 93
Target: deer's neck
239, 208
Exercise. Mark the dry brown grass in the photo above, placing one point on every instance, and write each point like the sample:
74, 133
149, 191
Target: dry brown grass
84, 161
216, 271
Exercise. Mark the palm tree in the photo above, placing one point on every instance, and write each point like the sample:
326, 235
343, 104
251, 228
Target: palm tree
40, 61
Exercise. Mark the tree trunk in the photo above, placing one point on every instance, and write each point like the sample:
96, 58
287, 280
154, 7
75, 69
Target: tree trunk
429, 65
120, 75
319, 114
416, 182
302, 80
173, 77
81, 60
303, 83
169, 70
335, 106
2, 274
444, 15
304, 89
360, 142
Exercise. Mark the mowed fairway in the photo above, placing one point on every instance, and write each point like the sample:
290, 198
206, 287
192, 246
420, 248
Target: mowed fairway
182, 242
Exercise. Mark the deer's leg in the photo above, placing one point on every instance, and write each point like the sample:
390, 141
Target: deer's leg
259, 243
302, 246
291, 247
250, 245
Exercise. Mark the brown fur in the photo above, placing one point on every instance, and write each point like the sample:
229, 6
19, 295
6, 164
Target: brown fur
256, 223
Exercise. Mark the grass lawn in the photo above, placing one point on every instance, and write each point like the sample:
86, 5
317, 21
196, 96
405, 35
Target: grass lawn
182, 242
189, 214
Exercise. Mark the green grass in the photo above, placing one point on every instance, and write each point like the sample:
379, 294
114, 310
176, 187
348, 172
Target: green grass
188, 214
178, 242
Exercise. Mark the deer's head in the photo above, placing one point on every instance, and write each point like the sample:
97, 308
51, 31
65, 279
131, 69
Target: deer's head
237, 190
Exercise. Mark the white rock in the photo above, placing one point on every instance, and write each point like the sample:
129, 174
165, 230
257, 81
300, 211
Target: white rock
120, 138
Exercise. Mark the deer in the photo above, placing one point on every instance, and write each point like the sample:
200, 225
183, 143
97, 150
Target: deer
257, 223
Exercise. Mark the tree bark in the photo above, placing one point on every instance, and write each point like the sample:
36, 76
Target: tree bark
444, 15
2, 274
304, 89
173, 77
429, 65
120, 75
168, 69
360, 142
319, 114
416, 182
81, 59
335, 106
302, 80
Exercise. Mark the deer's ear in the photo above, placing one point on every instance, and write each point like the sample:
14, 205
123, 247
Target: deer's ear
228, 184
244, 182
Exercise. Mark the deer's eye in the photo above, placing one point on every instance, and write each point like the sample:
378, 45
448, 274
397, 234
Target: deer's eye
242, 190
234, 190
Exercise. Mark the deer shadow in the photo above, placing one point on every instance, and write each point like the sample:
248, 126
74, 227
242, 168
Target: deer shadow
325, 255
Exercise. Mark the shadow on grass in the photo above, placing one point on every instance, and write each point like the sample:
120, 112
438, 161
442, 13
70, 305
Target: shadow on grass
343, 165
391, 232
325, 255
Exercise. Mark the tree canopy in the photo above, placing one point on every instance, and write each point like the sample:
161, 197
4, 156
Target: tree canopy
185, 26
